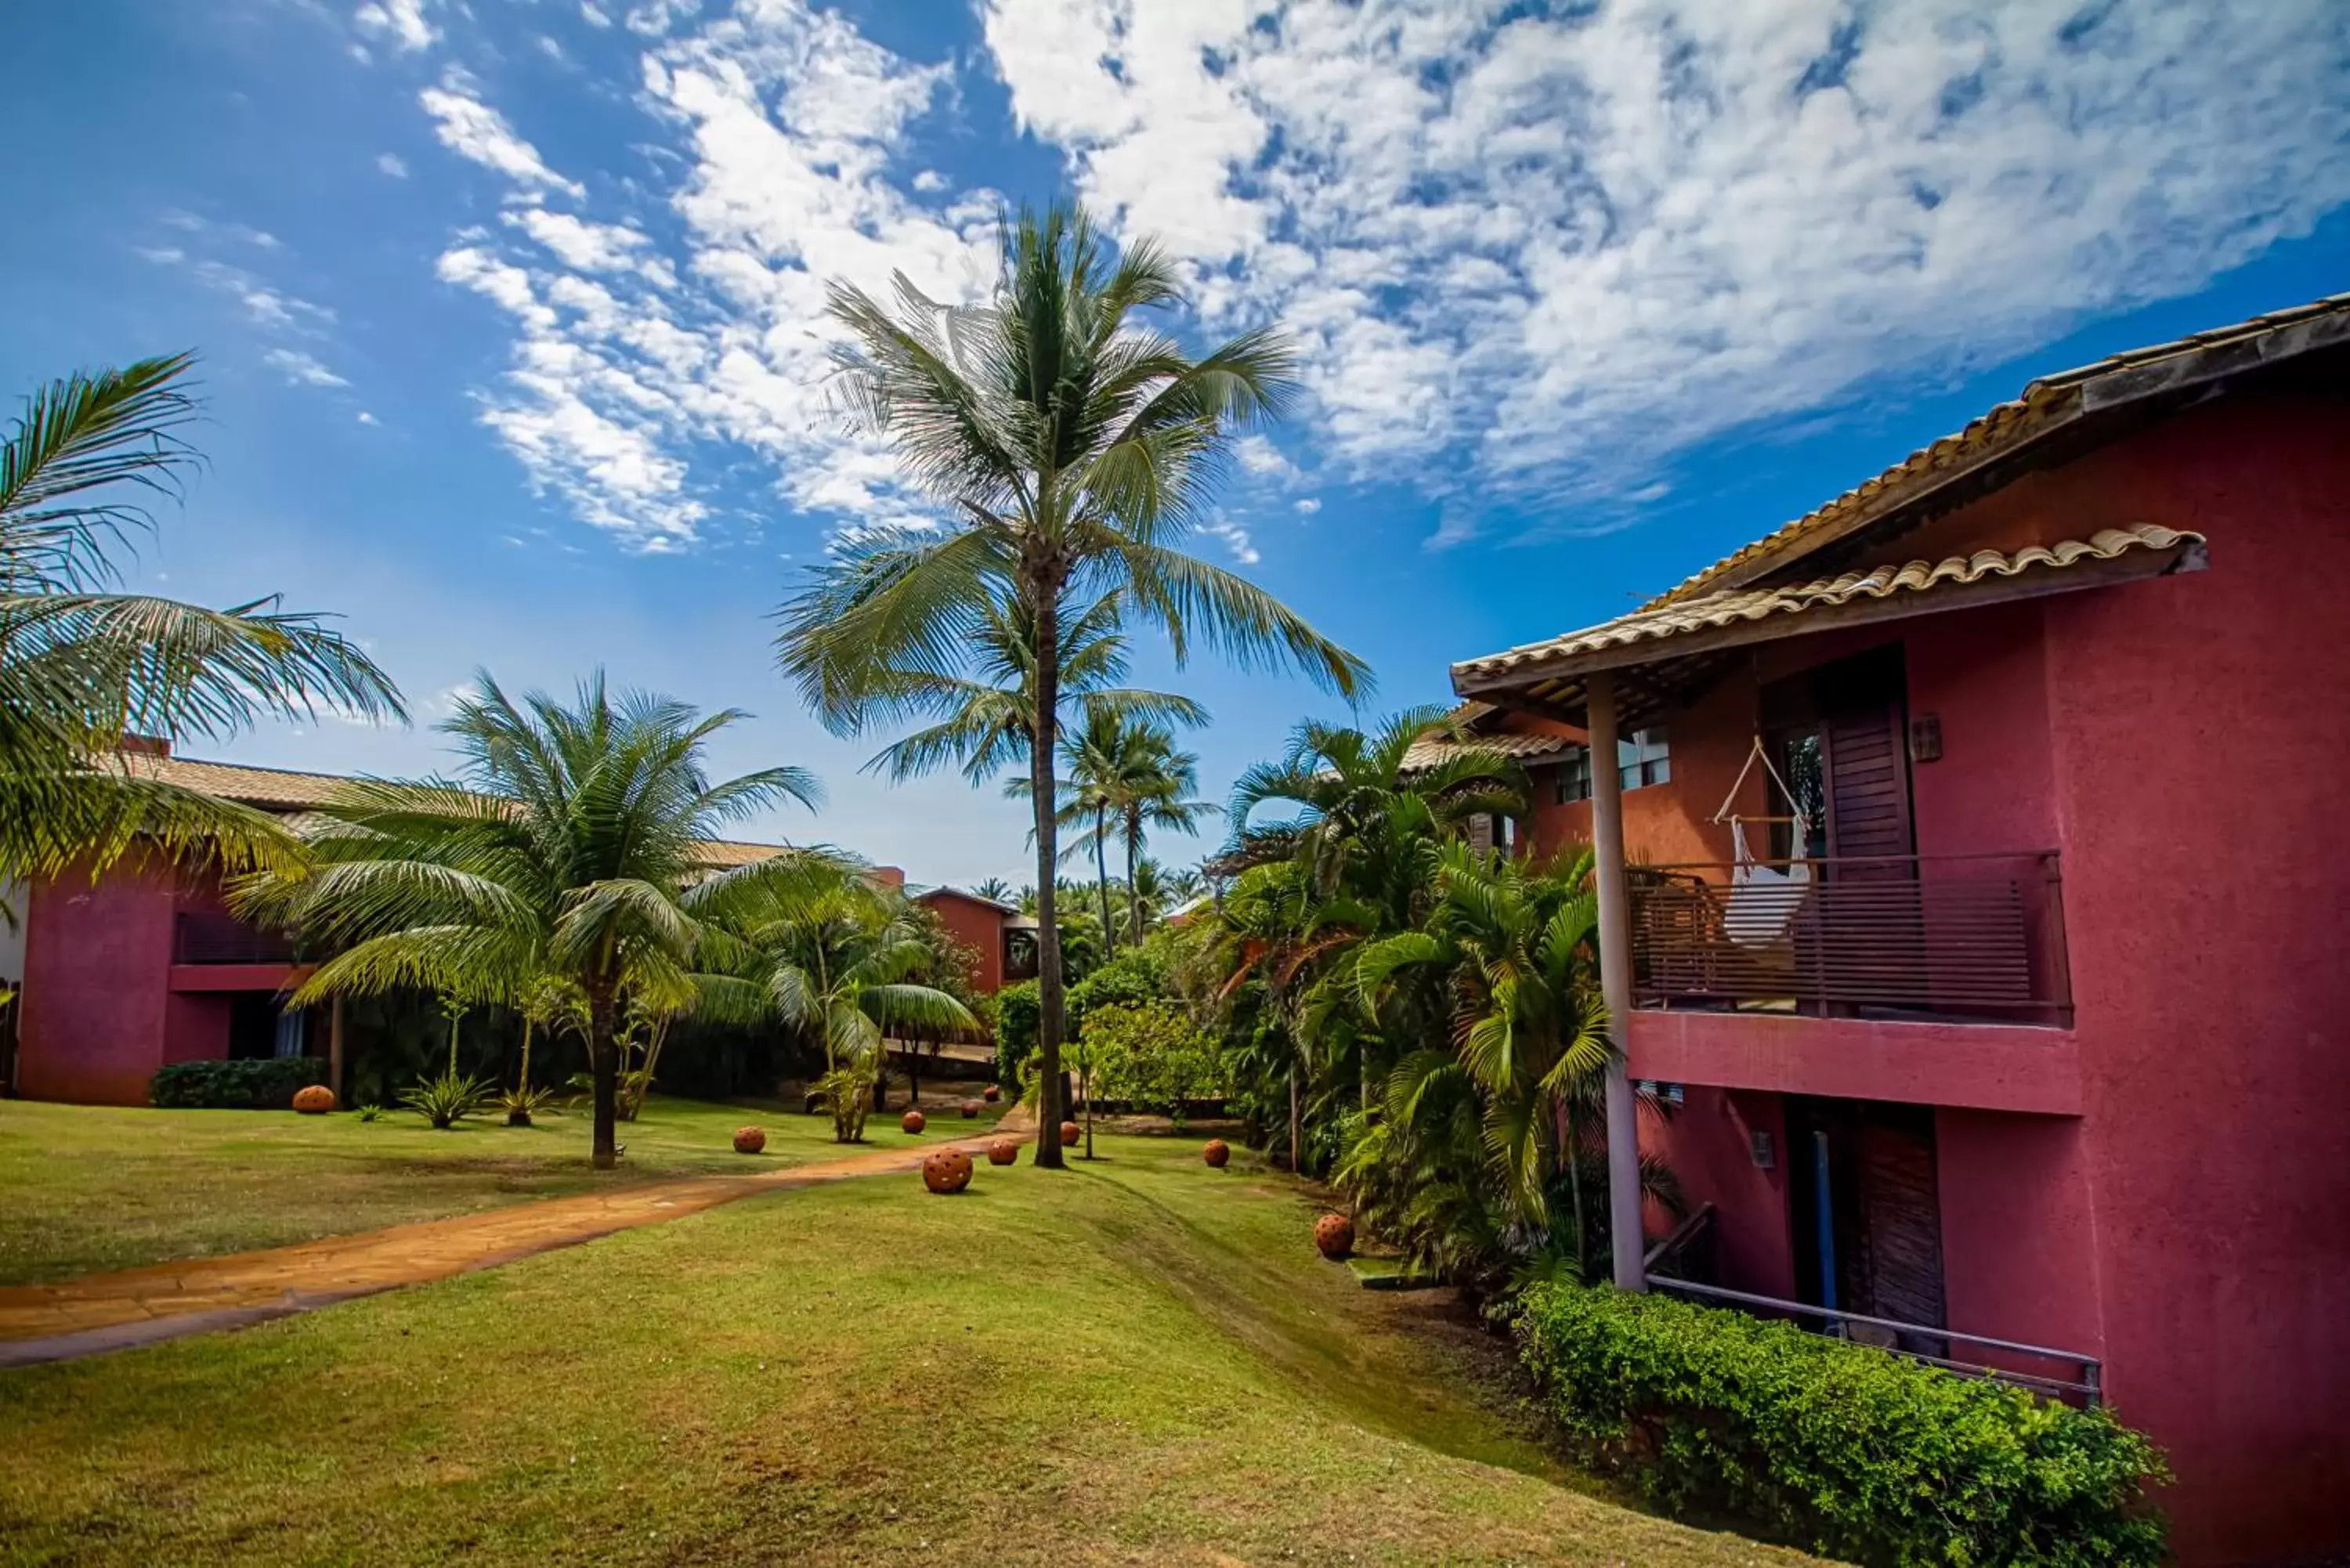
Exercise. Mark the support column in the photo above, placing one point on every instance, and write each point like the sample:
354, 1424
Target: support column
335, 1048
1615, 985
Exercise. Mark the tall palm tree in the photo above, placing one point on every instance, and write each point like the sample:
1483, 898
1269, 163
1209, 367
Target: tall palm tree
986, 715
1073, 448
1157, 794
573, 844
83, 666
1098, 757
1127, 777
826, 952
996, 890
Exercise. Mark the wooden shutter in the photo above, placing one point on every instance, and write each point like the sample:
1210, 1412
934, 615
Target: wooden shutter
1867, 787
1900, 1266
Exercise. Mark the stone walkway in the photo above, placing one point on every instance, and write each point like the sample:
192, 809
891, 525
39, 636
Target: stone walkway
100, 1313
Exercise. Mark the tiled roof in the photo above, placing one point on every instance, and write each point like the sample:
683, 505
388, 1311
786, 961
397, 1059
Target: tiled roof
283, 789
2046, 404
1430, 750
1680, 616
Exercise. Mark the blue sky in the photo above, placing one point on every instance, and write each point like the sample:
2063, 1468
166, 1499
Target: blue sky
510, 316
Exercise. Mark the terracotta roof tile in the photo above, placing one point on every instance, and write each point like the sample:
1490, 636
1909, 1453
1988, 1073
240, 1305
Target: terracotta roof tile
1679, 616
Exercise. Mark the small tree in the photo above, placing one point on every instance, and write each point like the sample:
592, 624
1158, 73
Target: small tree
1152, 1052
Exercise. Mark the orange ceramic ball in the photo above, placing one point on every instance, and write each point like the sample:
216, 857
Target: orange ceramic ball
1335, 1235
1069, 1134
750, 1140
314, 1100
911, 1121
1003, 1151
946, 1170
992, 1094
1218, 1153
970, 1109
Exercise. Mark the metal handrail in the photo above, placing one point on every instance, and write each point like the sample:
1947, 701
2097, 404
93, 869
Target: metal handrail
2090, 1387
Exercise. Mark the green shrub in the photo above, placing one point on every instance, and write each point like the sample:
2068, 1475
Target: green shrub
1851, 1451
264, 1083
1137, 977
449, 1099
1016, 1015
1153, 1055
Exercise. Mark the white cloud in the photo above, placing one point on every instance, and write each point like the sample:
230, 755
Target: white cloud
368, 418
1565, 249
1235, 538
401, 22
302, 370
471, 128
624, 368
1308, 505
594, 18
265, 304
391, 164
1260, 459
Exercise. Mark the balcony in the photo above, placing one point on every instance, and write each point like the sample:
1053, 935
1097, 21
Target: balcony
1925, 938
212, 939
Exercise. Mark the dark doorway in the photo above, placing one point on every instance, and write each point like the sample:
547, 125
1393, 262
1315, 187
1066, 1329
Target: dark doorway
252, 1025
1865, 1207
1837, 733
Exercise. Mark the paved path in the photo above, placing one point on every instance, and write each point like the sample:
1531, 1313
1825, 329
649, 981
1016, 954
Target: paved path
139, 1306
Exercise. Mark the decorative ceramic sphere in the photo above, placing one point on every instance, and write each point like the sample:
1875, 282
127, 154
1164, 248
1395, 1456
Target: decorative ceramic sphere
750, 1140
946, 1170
991, 1094
1003, 1151
314, 1099
911, 1121
1218, 1154
1069, 1134
970, 1109
1335, 1235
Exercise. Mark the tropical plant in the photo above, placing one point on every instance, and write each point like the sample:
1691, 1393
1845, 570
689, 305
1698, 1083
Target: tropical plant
577, 846
83, 668
1127, 777
448, 1099
1154, 1055
1073, 449
826, 952
523, 1104
996, 890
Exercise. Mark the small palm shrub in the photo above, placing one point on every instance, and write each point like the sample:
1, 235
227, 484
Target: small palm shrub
448, 1099
521, 1104
370, 1112
848, 1093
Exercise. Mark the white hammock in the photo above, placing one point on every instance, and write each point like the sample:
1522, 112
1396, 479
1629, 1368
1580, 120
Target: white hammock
1763, 899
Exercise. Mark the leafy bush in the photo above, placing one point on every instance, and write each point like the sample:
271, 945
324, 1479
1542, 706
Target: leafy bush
266, 1083
1153, 1055
370, 1111
1137, 977
521, 1104
449, 1099
1017, 1011
1853, 1452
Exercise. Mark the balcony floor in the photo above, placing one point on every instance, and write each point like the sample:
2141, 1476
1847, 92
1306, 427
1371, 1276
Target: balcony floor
1982, 1066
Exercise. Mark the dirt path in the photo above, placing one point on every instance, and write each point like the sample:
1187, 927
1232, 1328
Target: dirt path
99, 1312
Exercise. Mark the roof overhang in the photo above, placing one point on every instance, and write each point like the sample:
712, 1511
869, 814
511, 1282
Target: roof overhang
1663, 658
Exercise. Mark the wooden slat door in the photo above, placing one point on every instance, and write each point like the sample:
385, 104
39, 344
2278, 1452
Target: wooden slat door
1867, 788
1900, 1269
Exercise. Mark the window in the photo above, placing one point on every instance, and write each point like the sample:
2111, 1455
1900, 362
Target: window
1573, 774
1643, 759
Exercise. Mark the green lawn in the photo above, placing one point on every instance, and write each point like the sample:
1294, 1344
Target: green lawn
91, 1188
1139, 1361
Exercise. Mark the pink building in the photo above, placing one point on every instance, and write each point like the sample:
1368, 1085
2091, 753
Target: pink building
144, 966
2024, 1020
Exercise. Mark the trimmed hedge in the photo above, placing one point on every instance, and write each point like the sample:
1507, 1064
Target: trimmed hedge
266, 1083
1853, 1452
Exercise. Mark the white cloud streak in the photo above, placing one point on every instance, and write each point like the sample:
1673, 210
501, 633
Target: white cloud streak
472, 129
1570, 248
302, 370
401, 23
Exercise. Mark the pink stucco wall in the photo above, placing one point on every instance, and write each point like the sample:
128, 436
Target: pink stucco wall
99, 1018
1992, 1067
978, 925
2200, 730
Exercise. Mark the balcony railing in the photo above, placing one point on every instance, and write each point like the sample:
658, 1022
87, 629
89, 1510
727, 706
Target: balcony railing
1939, 936
224, 938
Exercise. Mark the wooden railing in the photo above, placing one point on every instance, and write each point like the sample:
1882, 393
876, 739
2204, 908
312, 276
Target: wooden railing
1954, 936
224, 938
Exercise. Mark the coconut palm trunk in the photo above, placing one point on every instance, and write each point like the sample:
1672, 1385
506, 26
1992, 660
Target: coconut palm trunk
604, 1069
1042, 747
1133, 888
1101, 881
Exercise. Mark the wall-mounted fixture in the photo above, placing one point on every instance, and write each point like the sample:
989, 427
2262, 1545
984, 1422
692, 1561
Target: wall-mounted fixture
1925, 737
1767, 1153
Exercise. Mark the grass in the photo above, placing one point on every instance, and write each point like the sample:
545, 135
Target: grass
1137, 1360
93, 1189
